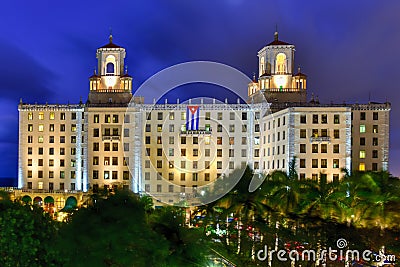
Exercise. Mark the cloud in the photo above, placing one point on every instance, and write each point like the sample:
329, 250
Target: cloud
23, 76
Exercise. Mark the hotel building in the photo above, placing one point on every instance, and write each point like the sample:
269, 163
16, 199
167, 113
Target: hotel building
115, 140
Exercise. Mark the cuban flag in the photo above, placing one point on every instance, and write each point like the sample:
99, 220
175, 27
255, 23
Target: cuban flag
192, 118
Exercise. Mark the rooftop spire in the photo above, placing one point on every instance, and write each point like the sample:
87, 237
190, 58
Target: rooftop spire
276, 33
110, 37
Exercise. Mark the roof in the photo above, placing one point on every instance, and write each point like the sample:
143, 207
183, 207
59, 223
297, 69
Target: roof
300, 74
111, 44
278, 42
126, 75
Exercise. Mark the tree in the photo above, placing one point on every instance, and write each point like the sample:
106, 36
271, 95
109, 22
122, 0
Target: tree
26, 236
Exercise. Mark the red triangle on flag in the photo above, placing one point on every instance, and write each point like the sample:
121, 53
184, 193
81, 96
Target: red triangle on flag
193, 109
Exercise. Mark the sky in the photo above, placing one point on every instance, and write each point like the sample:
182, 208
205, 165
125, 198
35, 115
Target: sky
348, 49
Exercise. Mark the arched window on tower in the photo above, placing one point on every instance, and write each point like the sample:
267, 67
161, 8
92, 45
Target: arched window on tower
110, 68
280, 67
262, 66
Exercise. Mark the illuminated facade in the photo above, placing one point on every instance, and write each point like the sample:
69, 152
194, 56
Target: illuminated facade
115, 140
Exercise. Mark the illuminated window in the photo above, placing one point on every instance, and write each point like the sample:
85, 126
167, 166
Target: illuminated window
96, 118
280, 63
159, 127
183, 115
51, 116
362, 154
30, 116
362, 128
171, 115
171, 164
40, 139
41, 116
314, 148
207, 140
219, 115
336, 163
231, 140
361, 167
115, 118
219, 140
73, 127
232, 128
106, 175
374, 141
375, 129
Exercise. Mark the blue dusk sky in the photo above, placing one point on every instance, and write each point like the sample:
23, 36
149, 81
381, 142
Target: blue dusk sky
348, 49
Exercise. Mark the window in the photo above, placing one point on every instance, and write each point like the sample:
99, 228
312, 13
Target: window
159, 164
41, 127
361, 167
314, 163
183, 164
257, 128
219, 152
73, 151
171, 128
244, 153
324, 163
40, 139
336, 163
231, 153
183, 152
207, 152
374, 141
106, 175
195, 177
303, 148
73, 139
40, 151
159, 152
362, 141
106, 161
171, 176
62, 116
315, 118
159, 127
95, 160
115, 161
73, 116
219, 165
171, 115
375, 116
244, 140
29, 174
73, 175
106, 146
127, 118
148, 128
96, 146
336, 148
303, 119
362, 154
314, 148
62, 163
126, 161
183, 140
324, 148
324, 132
40, 162
183, 115
219, 128
374, 167
257, 152
114, 175
324, 119
51, 127
362, 128
195, 140
302, 163
336, 119
219, 140
96, 118
114, 146
159, 115
95, 174
51, 162
303, 133
375, 129
336, 134
107, 118
183, 176
374, 154
62, 127
62, 174
362, 116
171, 140
244, 128
219, 116
195, 152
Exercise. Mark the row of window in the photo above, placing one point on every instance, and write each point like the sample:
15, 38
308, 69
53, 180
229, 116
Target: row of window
114, 161
363, 128
52, 127
51, 162
319, 133
109, 146
51, 151
363, 141
232, 115
52, 116
363, 154
363, 116
319, 148
52, 138
51, 174
108, 118
51, 186
362, 166
319, 163
110, 175
320, 118
109, 132
315, 176
147, 188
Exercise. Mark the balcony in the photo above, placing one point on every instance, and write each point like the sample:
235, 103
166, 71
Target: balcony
320, 139
111, 138
200, 131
